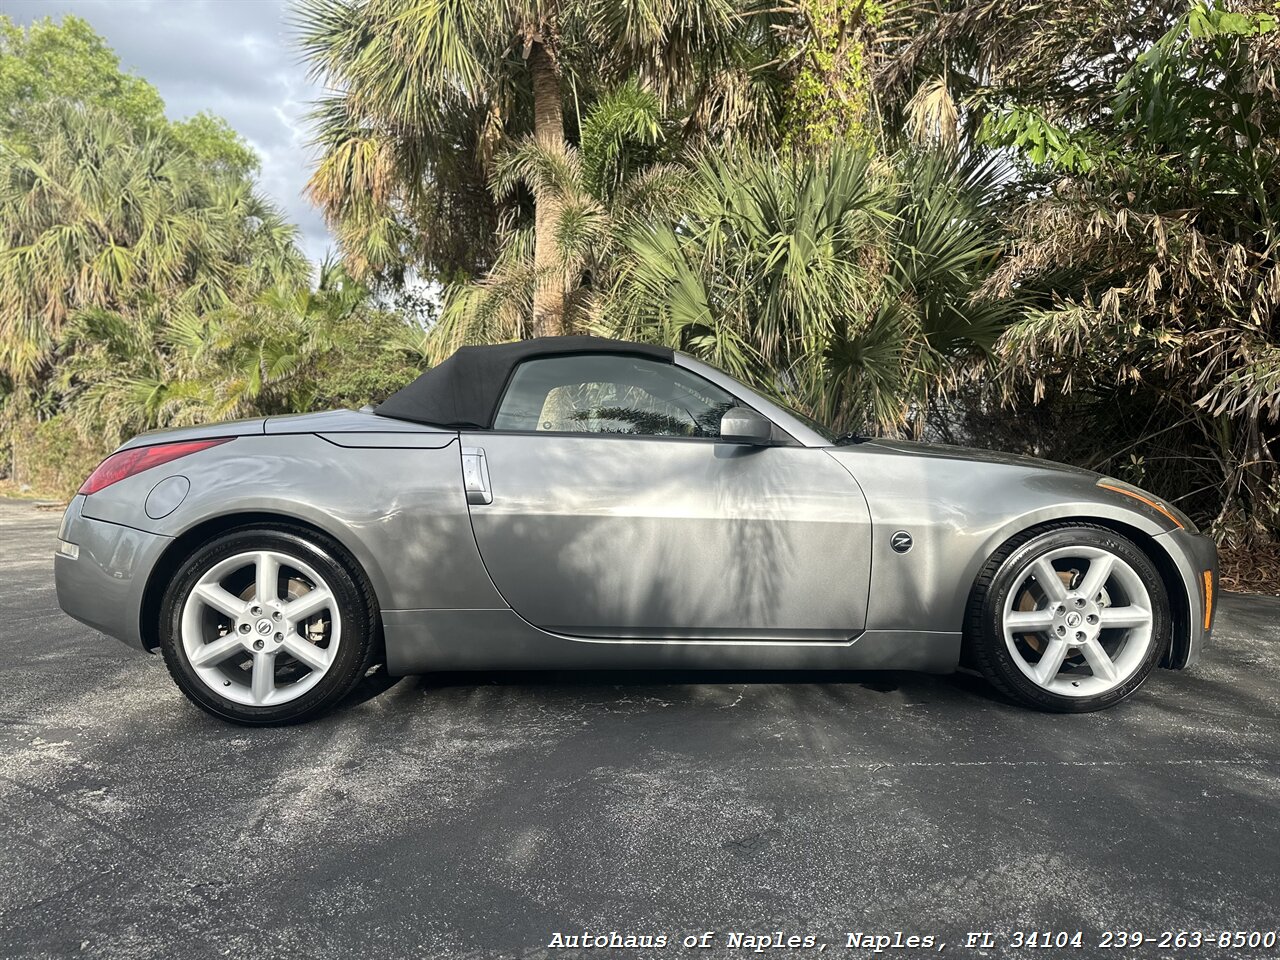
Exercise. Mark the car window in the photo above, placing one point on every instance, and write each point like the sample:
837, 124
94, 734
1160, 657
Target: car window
608, 393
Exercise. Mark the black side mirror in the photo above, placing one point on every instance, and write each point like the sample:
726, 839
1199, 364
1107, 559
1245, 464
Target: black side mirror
744, 425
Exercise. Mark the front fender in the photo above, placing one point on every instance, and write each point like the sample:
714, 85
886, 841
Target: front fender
959, 510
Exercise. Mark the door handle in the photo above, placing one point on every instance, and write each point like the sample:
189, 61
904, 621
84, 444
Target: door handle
475, 476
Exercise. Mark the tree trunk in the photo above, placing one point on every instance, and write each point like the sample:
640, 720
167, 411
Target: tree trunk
548, 130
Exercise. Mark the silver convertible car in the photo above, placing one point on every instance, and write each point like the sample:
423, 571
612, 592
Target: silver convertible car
575, 502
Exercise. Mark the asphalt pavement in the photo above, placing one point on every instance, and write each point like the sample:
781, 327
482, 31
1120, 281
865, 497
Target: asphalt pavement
477, 816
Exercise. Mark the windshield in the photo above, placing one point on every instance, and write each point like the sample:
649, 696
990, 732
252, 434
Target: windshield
821, 430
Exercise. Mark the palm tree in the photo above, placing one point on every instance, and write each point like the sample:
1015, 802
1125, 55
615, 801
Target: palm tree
124, 374
94, 215
620, 175
427, 91
841, 283
293, 348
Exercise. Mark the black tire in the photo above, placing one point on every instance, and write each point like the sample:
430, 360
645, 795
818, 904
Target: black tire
984, 627
356, 653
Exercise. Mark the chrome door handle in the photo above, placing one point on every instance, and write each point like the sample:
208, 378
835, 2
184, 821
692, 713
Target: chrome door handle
475, 476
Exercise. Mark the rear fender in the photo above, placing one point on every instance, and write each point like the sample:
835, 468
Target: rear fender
401, 512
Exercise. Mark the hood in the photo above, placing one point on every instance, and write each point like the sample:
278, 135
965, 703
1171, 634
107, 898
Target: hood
946, 451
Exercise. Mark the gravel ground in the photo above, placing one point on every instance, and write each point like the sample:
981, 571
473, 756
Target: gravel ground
470, 816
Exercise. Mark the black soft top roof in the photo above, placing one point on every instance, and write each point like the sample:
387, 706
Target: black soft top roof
464, 391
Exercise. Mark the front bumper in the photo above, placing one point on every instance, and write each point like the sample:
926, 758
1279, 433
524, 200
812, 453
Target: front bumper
104, 585
1196, 558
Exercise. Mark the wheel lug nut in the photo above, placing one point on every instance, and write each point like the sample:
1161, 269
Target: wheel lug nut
1062, 631
258, 644
1092, 618
255, 609
276, 615
1079, 601
1079, 634
279, 638
244, 628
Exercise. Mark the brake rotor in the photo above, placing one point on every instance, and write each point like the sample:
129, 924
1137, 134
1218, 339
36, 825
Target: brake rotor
316, 629
1027, 602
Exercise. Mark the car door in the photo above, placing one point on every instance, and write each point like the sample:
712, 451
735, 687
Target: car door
605, 506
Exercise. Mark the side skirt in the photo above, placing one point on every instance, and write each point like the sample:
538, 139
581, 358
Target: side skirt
420, 641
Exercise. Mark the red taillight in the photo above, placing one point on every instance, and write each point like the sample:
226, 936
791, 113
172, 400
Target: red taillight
126, 463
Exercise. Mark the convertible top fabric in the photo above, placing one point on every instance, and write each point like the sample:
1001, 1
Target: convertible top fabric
464, 391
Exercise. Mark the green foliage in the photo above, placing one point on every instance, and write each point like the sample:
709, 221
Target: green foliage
843, 285
1039, 140
830, 98
67, 61
291, 349
622, 175
211, 142
52, 456
430, 94
959, 60
52, 63
104, 203
1150, 249
143, 281
623, 132
1185, 90
95, 215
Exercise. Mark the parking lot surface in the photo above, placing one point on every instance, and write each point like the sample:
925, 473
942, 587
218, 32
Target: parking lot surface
469, 816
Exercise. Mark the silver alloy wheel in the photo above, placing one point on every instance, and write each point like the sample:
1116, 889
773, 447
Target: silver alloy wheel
1110, 642
236, 643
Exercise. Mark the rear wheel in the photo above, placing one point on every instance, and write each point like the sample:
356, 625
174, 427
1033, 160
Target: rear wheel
266, 626
1070, 618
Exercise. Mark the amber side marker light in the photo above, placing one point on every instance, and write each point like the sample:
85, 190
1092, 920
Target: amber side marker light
1147, 500
1208, 598
126, 463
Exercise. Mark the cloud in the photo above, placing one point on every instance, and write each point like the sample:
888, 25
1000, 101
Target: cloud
233, 58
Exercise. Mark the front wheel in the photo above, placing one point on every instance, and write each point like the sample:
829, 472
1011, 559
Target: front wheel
1070, 619
265, 626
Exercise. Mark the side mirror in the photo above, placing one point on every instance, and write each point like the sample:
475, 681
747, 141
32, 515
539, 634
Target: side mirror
744, 425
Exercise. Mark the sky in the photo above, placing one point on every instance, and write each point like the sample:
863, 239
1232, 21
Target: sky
233, 58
